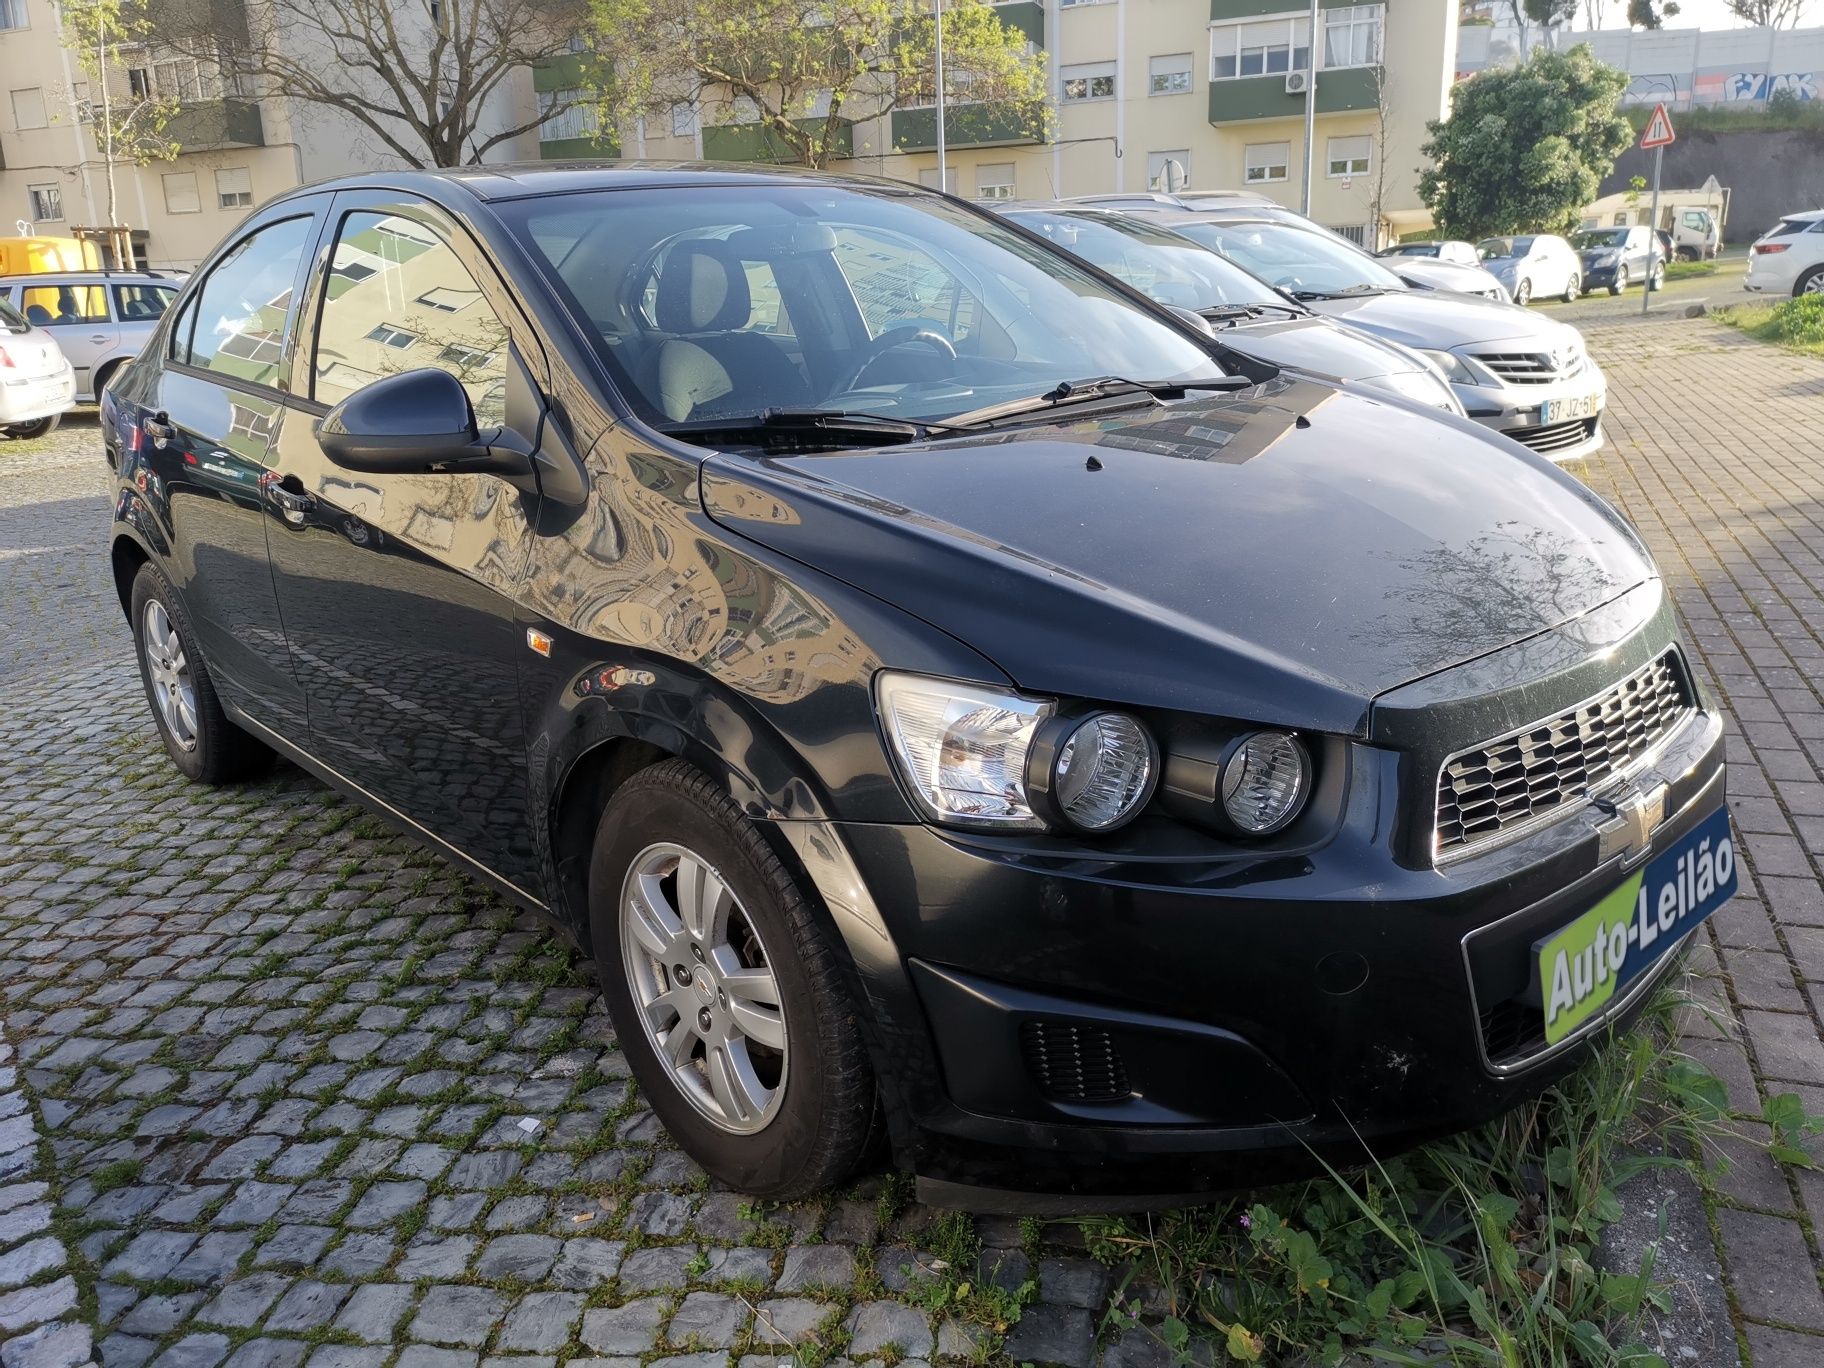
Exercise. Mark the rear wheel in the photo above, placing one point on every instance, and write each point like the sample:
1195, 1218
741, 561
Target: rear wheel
1572, 288
727, 994
1811, 283
1523, 292
1658, 278
1620, 283
38, 428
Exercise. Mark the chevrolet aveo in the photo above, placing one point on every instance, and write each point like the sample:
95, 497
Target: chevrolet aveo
947, 695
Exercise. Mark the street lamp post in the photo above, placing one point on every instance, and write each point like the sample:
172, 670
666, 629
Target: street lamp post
943, 177
1310, 108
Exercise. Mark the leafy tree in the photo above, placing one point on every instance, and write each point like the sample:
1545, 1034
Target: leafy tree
128, 123
1769, 13
1525, 147
1647, 15
802, 69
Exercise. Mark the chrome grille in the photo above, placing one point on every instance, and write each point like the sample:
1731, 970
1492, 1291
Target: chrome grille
1533, 368
1498, 787
1555, 437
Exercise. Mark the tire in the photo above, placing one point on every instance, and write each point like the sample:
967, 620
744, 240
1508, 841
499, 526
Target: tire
1523, 292
41, 427
198, 736
1572, 288
105, 374
1620, 283
1811, 283
1657, 279
805, 1118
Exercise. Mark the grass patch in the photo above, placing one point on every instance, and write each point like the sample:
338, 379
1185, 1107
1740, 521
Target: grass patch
1796, 324
1689, 270
1478, 1249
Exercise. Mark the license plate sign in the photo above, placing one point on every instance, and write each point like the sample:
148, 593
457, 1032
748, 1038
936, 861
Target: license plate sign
1586, 965
1569, 410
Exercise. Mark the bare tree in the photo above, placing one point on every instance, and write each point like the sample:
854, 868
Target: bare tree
1769, 13
1593, 12
418, 74
1383, 115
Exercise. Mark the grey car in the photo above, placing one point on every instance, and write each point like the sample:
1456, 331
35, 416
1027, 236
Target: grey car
1514, 371
98, 318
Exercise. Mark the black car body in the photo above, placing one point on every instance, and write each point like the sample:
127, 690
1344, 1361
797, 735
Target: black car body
1615, 258
502, 638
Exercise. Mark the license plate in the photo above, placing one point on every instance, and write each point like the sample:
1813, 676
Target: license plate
1567, 410
1589, 963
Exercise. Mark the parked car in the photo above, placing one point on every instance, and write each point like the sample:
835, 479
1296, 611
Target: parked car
1523, 375
1449, 250
1254, 318
1614, 258
1533, 264
1101, 788
1789, 257
36, 385
99, 318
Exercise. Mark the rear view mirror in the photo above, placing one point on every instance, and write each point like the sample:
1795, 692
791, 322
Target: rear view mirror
417, 422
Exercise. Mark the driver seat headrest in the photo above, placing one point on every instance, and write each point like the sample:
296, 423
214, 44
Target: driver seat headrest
703, 288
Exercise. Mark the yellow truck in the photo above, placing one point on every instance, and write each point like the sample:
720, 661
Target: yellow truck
36, 255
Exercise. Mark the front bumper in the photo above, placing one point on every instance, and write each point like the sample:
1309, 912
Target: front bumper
28, 400
1520, 411
1058, 1031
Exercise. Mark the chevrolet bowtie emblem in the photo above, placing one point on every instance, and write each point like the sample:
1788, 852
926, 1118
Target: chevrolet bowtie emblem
1628, 828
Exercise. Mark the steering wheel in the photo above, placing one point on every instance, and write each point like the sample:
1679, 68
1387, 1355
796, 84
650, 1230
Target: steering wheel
900, 335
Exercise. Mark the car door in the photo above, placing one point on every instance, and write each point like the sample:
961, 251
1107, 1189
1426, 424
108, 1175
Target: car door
206, 428
397, 589
77, 317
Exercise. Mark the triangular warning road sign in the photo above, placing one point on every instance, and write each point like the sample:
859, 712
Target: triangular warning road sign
1659, 129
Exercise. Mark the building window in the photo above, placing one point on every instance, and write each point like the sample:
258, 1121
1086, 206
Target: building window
1264, 48
47, 203
12, 14
389, 336
1168, 171
186, 80
1352, 36
994, 181
1089, 81
180, 193
578, 121
233, 188
1169, 75
928, 179
1072, 4
28, 108
139, 83
446, 300
684, 120
1348, 156
1263, 162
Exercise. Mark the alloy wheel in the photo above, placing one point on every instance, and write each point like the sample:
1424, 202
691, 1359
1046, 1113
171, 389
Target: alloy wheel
1572, 287
1812, 284
704, 986
1523, 292
168, 665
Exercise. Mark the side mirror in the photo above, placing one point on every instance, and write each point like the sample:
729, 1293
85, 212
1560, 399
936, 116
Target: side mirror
416, 423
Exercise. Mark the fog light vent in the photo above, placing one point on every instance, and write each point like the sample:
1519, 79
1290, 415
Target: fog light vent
1073, 1063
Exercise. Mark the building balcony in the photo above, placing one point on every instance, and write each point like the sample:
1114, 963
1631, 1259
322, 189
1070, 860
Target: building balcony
568, 72
1265, 97
585, 147
1027, 16
965, 125
209, 125
758, 143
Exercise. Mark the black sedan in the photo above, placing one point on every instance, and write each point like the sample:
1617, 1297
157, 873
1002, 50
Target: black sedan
943, 700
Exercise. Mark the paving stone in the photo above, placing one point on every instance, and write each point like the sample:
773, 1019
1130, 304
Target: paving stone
814, 1267
373, 1311
1053, 1337
739, 1265
707, 1320
1771, 1268
1775, 1348
194, 1351
161, 1314
29, 1260
428, 1356
666, 1266
358, 1256
541, 1323
307, 1305
436, 1257
269, 1353
788, 1320
631, 1329
585, 1262
458, 1315
28, 1306
875, 1327
294, 1247
1073, 1282
242, 1302
60, 1344
214, 1256
125, 1351
348, 1356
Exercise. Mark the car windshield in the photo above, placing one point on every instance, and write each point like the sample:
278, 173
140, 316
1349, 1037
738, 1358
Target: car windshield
1292, 258
723, 302
12, 319
1600, 237
1498, 248
1162, 265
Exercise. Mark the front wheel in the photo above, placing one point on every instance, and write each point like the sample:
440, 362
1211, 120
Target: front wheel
1811, 283
727, 994
1658, 278
1523, 292
1620, 282
1572, 288
40, 427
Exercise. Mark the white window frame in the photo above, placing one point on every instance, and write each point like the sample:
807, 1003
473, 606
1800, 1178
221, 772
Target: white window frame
392, 336
1154, 72
689, 120
1075, 4
54, 200
1089, 73
179, 177
1350, 170
239, 197
1000, 185
1296, 22
578, 121
1249, 165
15, 16
1349, 20
43, 112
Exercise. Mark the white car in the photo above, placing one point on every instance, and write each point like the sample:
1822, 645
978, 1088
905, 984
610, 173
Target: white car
37, 385
1789, 257
1533, 264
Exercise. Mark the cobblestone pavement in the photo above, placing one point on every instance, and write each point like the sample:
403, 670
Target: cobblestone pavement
304, 1097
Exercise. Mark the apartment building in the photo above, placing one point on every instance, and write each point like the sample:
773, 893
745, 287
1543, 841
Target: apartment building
1204, 93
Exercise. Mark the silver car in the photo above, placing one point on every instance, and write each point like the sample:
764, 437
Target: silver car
1523, 375
98, 318
36, 386
1534, 264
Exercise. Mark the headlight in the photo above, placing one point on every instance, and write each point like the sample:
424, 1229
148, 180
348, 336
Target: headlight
1608, 258
1452, 367
1094, 773
962, 748
1266, 777
1423, 385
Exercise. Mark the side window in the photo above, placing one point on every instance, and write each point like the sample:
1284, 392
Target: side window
1701, 222
895, 282
400, 299
141, 303
241, 307
50, 305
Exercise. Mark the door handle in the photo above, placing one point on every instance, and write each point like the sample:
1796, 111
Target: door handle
98, 337
286, 493
158, 428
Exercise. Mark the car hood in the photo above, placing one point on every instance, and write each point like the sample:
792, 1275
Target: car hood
1319, 347
1589, 256
1438, 322
1444, 275
1280, 555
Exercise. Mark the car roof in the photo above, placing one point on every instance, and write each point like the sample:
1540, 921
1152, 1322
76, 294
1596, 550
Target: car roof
86, 277
1804, 215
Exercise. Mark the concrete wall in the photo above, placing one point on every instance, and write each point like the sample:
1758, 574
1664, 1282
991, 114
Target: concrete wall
1767, 174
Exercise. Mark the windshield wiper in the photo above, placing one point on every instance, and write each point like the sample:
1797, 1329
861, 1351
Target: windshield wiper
1096, 387
1349, 292
836, 422
1234, 313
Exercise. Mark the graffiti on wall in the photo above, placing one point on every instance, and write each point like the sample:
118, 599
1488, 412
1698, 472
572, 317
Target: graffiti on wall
1660, 86
1754, 86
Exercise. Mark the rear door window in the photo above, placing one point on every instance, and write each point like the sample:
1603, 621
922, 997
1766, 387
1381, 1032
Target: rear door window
142, 303
238, 321
50, 305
